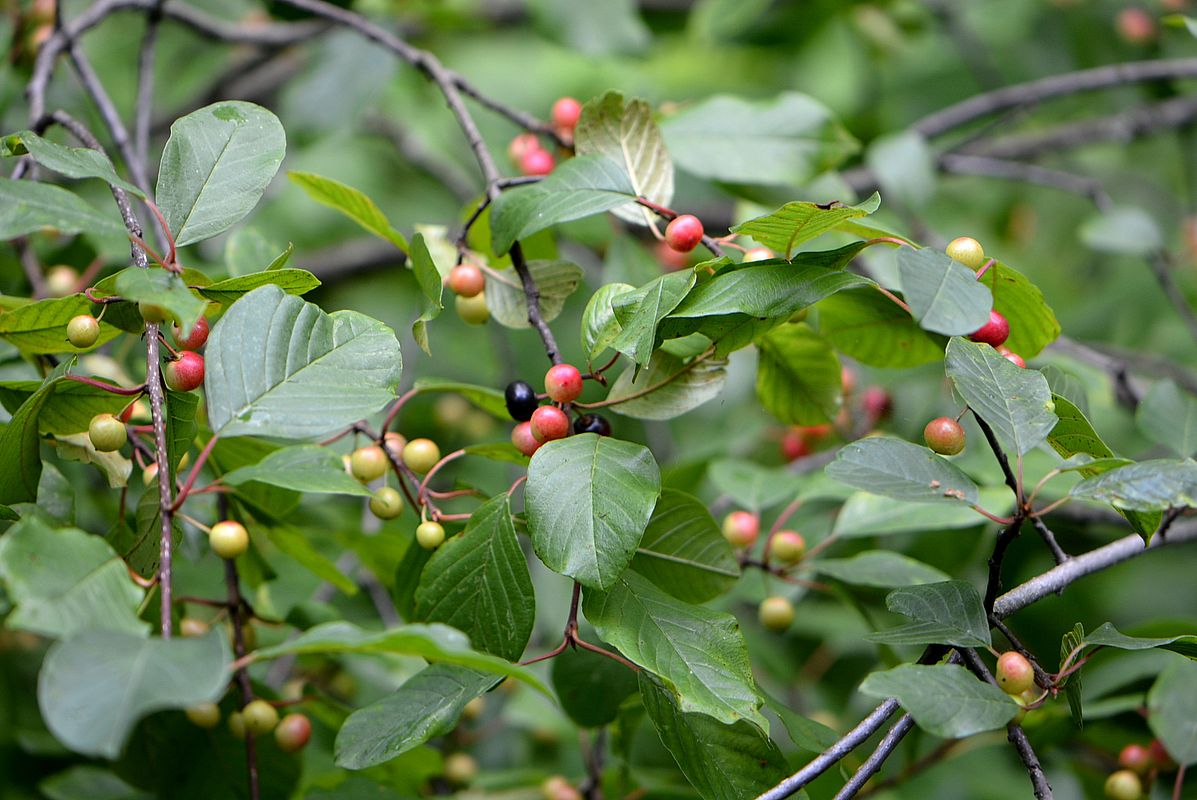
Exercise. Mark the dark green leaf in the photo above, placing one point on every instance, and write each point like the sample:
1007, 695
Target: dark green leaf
1167, 415
683, 551
754, 487
1033, 324
798, 376
428, 277
74, 162
162, 288
40, 327
949, 612
303, 468
640, 312
29, 206
1172, 711
1146, 486
292, 281
945, 700
599, 326
901, 470
20, 456
591, 686
879, 568
874, 330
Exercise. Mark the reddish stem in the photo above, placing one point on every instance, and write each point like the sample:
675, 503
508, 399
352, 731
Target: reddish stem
195, 470
108, 387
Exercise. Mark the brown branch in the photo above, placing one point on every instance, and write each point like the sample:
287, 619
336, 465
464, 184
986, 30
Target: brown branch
236, 603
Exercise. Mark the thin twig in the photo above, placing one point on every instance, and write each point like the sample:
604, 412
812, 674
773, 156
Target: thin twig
877, 758
236, 603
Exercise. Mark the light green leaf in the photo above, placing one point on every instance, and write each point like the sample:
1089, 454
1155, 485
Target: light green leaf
905, 167
428, 278
754, 487
1172, 711
901, 470
683, 551
486, 398
599, 325
798, 376
1033, 324
640, 312
698, 653
879, 568
350, 202
668, 387
217, 163
945, 700
278, 366
556, 281
294, 543
1109, 636
611, 27
29, 206
291, 281
162, 288
74, 162
40, 327
1146, 486
944, 295
1123, 229
867, 514
1166, 414
303, 468
588, 500
949, 612
95, 686
798, 222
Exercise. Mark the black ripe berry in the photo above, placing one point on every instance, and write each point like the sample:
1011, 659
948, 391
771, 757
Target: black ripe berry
521, 400
592, 423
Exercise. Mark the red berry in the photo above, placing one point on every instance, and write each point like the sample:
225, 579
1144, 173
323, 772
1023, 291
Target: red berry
1135, 757
1015, 359
944, 435
1160, 756
521, 146
683, 233
563, 383
671, 259
993, 333
549, 423
848, 379
740, 528
522, 438
467, 280
1014, 673
565, 114
196, 339
1136, 26
794, 444
293, 732
877, 403
186, 372
537, 162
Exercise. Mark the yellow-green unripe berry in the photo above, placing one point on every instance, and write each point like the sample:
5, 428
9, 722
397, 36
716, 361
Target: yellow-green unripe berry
228, 539
776, 613
368, 463
472, 309
237, 725
460, 769
1124, 785
386, 503
260, 717
967, 251
205, 715
421, 455
788, 547
153, 312
83, 331
107, 433
430, 535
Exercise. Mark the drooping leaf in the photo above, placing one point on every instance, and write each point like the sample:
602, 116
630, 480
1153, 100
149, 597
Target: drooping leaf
95, 686
74, 162
698, 653
798, 376
350, 202
588, 501
434, 642
944, 295
303, 468
1146, 486
277, 366
591, 686
427, 705
874, 330
683, 552
901, 470
1071, 682
948, 612
292, 281
1172, 711
66, 581
556, 281
722, 762
945, 700
40, 327
798, 222
30, 206
640, 312
879, 568
478, 582
578, 188
668, 387
626, 134
806, 734
1016, 403
1166, 414
428, 278
217, 163
20, 456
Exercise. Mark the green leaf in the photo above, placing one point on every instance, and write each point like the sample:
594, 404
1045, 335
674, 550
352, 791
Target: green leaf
20, 456
303, 468
428, 278
350, 202
181, 428
905, 167
1033, 324
247, 251
1124, 229
84, 782
944, 295
867, 514
66, 581
754, 487
29, 206
640, 312
949, 612
163, 288
1016, 402
590, 686
901, 470
291, 281
578, 188
1172, 711
784, 141
486, 398
74, 162
556, 281
1109, 636
799, 222
720, 20
1073, 435
595, 30
626, 134
945, 700
806, 734
434, 642
95, 686
1166, 414
231, 454
683, 550
428, 704
798, 376
278, 366
140, 546
40, 327
217, 163
879, 568
869, 327
698, 653
599, 325
1072, 681
722, 762
668, 387
294, 543
67, 409
1146, 486
479, 583
78, 447
588, 500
